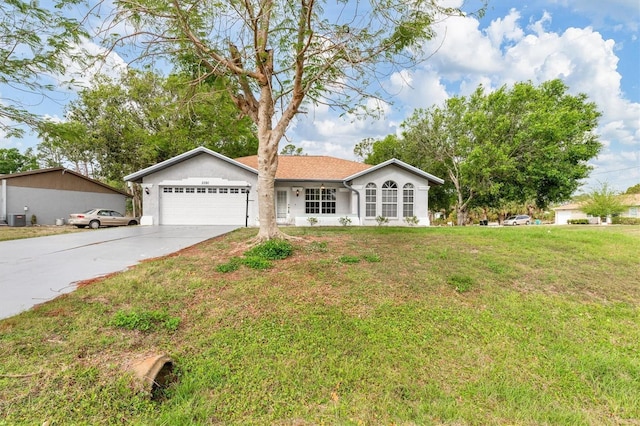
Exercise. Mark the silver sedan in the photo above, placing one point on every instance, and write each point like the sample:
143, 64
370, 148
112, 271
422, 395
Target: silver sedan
95, 218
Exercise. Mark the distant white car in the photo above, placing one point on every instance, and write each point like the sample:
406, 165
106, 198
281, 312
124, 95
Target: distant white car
521, 219
95, 218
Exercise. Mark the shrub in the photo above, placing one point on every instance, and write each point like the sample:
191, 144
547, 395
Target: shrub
462, 283
345, 221
144, 320
312, 220
230, 266
578, 221
371, 257
382, 220
271, 250
256, 262
349, 259
617, 220
411, 220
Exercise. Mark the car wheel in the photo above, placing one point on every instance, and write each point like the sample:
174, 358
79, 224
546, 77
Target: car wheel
94, 224
528, 223
132, 222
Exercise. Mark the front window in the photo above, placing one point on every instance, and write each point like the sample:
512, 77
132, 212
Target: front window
407, 200
390, 199
320, 200
370, 199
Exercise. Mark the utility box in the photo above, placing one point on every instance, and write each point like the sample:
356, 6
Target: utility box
17, 220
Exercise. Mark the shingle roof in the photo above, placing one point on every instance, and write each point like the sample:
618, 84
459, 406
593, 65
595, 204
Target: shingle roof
310, 167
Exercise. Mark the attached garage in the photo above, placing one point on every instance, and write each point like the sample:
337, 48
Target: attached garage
199, 187
203, 205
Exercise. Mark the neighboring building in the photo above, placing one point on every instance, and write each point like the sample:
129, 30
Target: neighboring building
573, 210
53, 194
206, 188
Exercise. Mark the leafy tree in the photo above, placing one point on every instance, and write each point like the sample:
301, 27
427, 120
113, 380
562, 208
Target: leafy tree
278, 56
119, 126
291, 149
33, 41
12, 161
515, 144
603, 202
635, 189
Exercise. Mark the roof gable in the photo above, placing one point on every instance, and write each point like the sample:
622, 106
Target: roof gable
431, 178
137, 176
50, 179
293, 167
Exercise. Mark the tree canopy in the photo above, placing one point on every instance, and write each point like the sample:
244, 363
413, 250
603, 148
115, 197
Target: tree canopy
12, 161
119, 126
276, 56
516, 144
602, 202
35, 43
635, 189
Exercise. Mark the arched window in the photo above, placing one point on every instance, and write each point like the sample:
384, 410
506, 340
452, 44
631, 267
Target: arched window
370, 199
407, 200
389, 199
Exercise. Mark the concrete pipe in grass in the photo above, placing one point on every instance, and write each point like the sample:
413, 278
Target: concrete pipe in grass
154, 372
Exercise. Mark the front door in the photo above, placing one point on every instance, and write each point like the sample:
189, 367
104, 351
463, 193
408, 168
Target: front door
281, 206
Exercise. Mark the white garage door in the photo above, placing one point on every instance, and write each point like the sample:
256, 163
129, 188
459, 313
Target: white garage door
201, 205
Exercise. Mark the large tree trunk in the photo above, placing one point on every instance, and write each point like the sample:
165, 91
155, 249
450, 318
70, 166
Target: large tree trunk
267, 166
268, 140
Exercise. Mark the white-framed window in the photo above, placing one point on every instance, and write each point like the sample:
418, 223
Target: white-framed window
167, 189
212, 190
407, 200
234, 190
201, 190
390, 199
179, 190
190, 190
320, 200
223, 190
370, 200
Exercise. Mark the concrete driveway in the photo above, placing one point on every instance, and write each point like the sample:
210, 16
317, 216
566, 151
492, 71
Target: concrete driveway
35, 270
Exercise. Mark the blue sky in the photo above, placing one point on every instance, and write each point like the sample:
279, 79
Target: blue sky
592, 45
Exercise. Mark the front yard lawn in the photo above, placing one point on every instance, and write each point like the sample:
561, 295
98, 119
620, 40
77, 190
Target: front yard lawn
16, 233
364, 326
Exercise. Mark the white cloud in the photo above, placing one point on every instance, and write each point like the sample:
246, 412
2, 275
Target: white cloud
505, 52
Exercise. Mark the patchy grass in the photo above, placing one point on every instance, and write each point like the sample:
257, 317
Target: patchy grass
16, 233
546, 331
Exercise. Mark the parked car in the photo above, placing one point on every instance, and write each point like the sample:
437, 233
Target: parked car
96, 218
521, 219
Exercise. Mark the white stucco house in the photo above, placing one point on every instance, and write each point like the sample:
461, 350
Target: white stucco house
203, 187
574, 210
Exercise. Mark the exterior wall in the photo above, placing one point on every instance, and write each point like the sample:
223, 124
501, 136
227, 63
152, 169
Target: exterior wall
633, 211
201, 168
562, 216
400, 177
296, 204
51, 204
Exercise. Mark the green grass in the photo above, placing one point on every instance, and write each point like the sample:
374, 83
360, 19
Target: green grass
16, 233
513, 326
